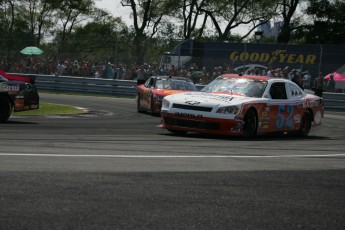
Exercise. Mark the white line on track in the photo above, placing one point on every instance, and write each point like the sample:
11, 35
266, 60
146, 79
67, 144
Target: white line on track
172, 156
336, 116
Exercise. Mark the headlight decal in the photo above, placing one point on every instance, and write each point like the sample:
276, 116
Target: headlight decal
165, 104
228, 110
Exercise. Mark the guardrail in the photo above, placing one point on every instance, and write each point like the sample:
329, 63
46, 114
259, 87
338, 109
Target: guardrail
332, 101
86, 85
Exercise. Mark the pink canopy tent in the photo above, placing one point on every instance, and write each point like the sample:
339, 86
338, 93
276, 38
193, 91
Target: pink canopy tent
337, 76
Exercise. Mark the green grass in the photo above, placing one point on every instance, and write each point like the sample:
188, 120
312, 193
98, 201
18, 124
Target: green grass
51, 109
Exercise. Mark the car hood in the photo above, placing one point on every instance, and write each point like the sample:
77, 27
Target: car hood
208, 99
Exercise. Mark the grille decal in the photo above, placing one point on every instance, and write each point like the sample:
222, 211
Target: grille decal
194, 124
192, 107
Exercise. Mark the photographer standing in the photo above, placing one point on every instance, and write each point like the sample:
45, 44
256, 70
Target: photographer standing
318, 85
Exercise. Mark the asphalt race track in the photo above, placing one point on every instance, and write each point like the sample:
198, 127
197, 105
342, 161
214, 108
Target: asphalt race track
113, 168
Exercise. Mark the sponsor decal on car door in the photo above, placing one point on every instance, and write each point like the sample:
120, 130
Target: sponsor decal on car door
284, 111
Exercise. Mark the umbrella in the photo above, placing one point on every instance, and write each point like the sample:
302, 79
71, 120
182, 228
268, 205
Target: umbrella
337, 76
31, 50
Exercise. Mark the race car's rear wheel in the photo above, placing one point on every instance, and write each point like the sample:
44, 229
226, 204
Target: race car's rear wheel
250, 124
5, 108
305, 123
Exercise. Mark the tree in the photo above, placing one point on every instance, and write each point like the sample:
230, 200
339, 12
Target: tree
187, 14
227, 15
39, 15
100, 38
70, 13
328, 22
147, 15
14, 28
287, 9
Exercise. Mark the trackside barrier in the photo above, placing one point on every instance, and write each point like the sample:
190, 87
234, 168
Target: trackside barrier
127, 88
334, 101
84, 85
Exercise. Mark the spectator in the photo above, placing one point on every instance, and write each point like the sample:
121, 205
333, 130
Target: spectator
60, 68
172, 71
141, 78
120, 71
331, 84
318, 85
306, 80
297, 78
163, 70
154, 70
97, 72
110, 71
75, 68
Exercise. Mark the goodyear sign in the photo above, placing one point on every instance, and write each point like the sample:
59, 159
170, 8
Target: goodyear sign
281, 56
312, 57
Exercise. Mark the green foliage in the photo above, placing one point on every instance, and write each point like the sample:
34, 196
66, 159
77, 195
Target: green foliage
328, 24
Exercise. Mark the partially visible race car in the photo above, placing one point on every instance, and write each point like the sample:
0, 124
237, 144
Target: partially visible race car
28, 79
243, 106
150, 94
17, 96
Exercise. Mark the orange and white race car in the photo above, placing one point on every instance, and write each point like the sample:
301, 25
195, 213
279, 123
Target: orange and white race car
243, 105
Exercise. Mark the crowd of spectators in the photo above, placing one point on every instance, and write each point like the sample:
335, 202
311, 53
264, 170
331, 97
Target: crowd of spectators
103, 69
122, 71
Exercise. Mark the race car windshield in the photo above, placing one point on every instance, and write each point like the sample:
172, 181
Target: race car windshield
175, 85
3, 79
241, 86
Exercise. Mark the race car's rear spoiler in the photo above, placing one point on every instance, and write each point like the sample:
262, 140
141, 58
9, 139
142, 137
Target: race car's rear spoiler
11, 77
29, 78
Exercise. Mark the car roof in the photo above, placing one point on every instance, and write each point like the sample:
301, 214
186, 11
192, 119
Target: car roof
173, 78
230, 75
254, 77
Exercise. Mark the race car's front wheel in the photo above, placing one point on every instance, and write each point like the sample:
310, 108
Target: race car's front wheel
5, 108
305, 123
152, 106
250, 124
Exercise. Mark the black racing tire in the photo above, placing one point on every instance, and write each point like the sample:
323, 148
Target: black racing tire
152, 106
139, 110
5, 108
250, 124
306, 123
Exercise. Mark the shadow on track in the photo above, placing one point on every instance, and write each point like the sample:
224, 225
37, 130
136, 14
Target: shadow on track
268, 137
18, 122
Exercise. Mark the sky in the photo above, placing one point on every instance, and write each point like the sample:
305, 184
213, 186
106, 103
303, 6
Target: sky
116, 9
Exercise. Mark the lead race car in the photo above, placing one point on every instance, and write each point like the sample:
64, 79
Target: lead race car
16, 95
243, 105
